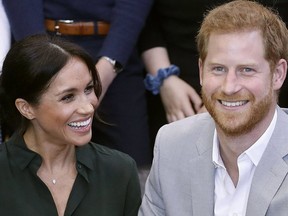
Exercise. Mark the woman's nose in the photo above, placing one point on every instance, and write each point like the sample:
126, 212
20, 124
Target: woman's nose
86, 108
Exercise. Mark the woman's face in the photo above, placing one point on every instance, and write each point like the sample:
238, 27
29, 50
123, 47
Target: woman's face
65, 112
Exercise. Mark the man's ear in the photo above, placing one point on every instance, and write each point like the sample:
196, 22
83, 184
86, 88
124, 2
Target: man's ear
24, 108
200, 66
279, 74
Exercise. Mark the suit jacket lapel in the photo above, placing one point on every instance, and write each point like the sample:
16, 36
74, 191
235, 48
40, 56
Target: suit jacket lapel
202, 175
271, 169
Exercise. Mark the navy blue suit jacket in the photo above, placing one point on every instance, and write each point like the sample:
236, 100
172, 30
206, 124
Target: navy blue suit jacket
127, 17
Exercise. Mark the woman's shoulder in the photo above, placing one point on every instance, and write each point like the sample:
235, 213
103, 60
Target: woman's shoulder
109, 157
108, 151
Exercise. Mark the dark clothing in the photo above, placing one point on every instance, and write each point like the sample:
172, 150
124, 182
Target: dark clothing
174, 24
107, 183
124, 105
126, 17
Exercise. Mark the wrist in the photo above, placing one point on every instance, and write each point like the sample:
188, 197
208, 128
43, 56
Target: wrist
117, 67
153, 83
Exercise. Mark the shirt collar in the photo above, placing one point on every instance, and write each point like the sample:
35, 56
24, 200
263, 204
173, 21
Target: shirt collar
24, 156
20, 154
255, 152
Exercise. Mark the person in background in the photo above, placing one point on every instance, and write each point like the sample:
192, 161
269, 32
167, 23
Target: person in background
49, 92
5, 43
167, 44
108, 30
233, 159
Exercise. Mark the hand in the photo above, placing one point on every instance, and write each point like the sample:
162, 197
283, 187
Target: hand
202, 110
106, 73
180, 100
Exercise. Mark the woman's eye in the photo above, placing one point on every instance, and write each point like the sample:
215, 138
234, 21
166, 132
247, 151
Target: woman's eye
67, 98
89, 89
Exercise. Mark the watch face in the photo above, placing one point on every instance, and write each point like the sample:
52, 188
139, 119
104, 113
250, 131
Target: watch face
118, 67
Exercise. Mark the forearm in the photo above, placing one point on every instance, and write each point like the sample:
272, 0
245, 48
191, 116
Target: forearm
155, 58
127, 21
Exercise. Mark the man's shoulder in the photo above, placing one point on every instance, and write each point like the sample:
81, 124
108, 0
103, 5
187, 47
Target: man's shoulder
285, 110
192, 124
282, 119
190, 134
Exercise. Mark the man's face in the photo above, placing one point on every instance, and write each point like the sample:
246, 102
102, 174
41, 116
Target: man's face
237, 83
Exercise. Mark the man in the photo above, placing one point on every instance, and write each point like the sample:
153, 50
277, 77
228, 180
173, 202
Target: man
234, 159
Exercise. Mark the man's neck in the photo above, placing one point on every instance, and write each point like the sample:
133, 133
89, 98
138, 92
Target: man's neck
230, 147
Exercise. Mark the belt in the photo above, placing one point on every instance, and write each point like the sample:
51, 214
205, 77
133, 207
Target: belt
71, 27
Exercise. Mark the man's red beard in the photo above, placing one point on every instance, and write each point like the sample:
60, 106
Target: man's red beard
238, 122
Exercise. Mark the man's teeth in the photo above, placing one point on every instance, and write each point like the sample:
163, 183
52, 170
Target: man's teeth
233, 104
80, 124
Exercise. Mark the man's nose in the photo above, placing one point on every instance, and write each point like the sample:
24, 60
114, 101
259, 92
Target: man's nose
231, 83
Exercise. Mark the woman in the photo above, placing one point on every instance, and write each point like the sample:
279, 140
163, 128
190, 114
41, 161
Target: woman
49, 92
108, 30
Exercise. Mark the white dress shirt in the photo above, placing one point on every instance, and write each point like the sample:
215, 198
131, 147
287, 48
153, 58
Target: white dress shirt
231, 201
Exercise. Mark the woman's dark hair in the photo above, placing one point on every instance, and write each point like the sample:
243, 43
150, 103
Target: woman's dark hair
28, 69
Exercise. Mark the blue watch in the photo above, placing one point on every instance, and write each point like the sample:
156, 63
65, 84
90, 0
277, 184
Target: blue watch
153, 83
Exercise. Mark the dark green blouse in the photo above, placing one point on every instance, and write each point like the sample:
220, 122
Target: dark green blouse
107, 183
